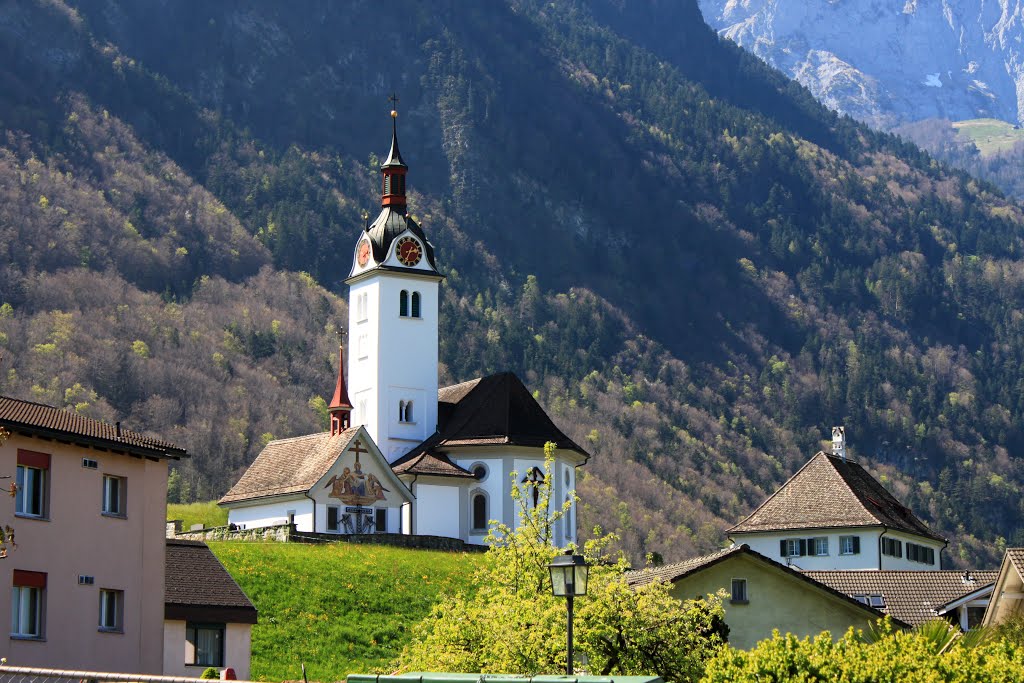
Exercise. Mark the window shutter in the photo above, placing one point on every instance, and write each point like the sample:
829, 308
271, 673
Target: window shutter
899, 548
782, 548
856, 545
803, 547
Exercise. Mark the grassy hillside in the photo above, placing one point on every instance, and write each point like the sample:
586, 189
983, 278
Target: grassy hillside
990, 135
337, 608
205, 513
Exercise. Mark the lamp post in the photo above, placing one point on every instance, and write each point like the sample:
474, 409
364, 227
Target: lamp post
569, 579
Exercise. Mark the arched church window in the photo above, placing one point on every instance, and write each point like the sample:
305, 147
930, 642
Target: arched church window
403, 304
480, 511
401, 411
532, 482
415, 304
361, 307
405, 411
408, 411
568, 519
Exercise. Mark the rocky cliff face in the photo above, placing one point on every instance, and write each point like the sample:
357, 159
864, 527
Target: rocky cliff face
893, 62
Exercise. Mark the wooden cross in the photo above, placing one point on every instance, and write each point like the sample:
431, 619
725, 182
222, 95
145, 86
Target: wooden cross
358, 448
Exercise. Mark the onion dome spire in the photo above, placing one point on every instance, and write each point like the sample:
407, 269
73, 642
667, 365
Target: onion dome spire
341, 407
394, 168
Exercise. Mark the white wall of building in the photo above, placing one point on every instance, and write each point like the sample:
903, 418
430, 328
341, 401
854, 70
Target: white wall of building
869, 557
437, 508
274, 511
237, 650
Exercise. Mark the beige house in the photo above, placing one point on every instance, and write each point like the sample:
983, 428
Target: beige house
87, 578
763, 595
208, 618
1008, 594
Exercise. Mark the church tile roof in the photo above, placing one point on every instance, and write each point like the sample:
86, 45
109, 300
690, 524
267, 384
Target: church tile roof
913, 597
197, 587
832, 492
1016, 557
290, 465
433, 465
37, 419
497, 410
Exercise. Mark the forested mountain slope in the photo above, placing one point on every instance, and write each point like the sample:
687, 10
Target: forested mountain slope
697, 268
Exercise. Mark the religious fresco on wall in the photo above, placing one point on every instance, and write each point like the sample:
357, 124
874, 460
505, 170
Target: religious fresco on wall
353, 486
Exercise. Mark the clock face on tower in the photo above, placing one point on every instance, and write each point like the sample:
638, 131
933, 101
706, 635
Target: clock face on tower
409, 251
364, 253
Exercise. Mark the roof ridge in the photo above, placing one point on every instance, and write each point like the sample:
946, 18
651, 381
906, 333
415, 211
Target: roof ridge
776, 492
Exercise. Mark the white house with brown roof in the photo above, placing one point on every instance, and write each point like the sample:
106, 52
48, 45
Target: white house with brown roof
207, 618
85, 587
428, 460
1008, 591
833, 515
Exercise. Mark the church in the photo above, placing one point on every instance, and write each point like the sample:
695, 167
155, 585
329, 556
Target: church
403, 455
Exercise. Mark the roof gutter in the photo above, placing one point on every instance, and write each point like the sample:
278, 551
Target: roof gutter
885, 530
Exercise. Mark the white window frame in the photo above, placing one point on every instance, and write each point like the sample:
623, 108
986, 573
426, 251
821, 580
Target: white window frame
846, 545
820, 546
115, 491
111, 610
793, 547
25, 502
27, 612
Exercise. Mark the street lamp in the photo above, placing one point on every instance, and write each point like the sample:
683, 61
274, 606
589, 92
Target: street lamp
568, 580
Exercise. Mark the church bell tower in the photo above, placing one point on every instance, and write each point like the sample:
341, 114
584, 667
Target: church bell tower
393, 310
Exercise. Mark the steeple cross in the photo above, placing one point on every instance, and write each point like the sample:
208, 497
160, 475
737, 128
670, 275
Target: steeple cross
393, 100
358, 448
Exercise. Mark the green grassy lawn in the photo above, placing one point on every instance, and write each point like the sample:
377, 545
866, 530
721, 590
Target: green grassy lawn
207, 514
989, 135
338, 608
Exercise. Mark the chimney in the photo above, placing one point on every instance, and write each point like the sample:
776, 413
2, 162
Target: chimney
839, 442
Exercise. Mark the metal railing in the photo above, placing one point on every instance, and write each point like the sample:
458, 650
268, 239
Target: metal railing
25, 674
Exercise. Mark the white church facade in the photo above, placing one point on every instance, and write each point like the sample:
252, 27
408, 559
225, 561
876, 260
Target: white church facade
404, 455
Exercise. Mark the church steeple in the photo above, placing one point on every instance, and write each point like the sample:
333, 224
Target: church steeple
394, 169
341, 406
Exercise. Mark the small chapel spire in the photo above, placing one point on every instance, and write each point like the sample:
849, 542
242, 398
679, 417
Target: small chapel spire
394, 168
341, 406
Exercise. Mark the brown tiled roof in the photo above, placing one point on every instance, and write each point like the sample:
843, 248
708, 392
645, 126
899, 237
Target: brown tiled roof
290, 465
497, 410
680, 570
1016, 557
434, 465
198, 587
910, 596
37, 419
830, 492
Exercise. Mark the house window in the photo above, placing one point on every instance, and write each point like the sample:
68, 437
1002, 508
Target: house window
332, 518
415, 304
849, 545
739, 591
403, 304
892, 547
793, 547
480, 511
33, 484
920, 553
818, 546
27, 600
111, 610
380, 520
204, 644
113, 496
